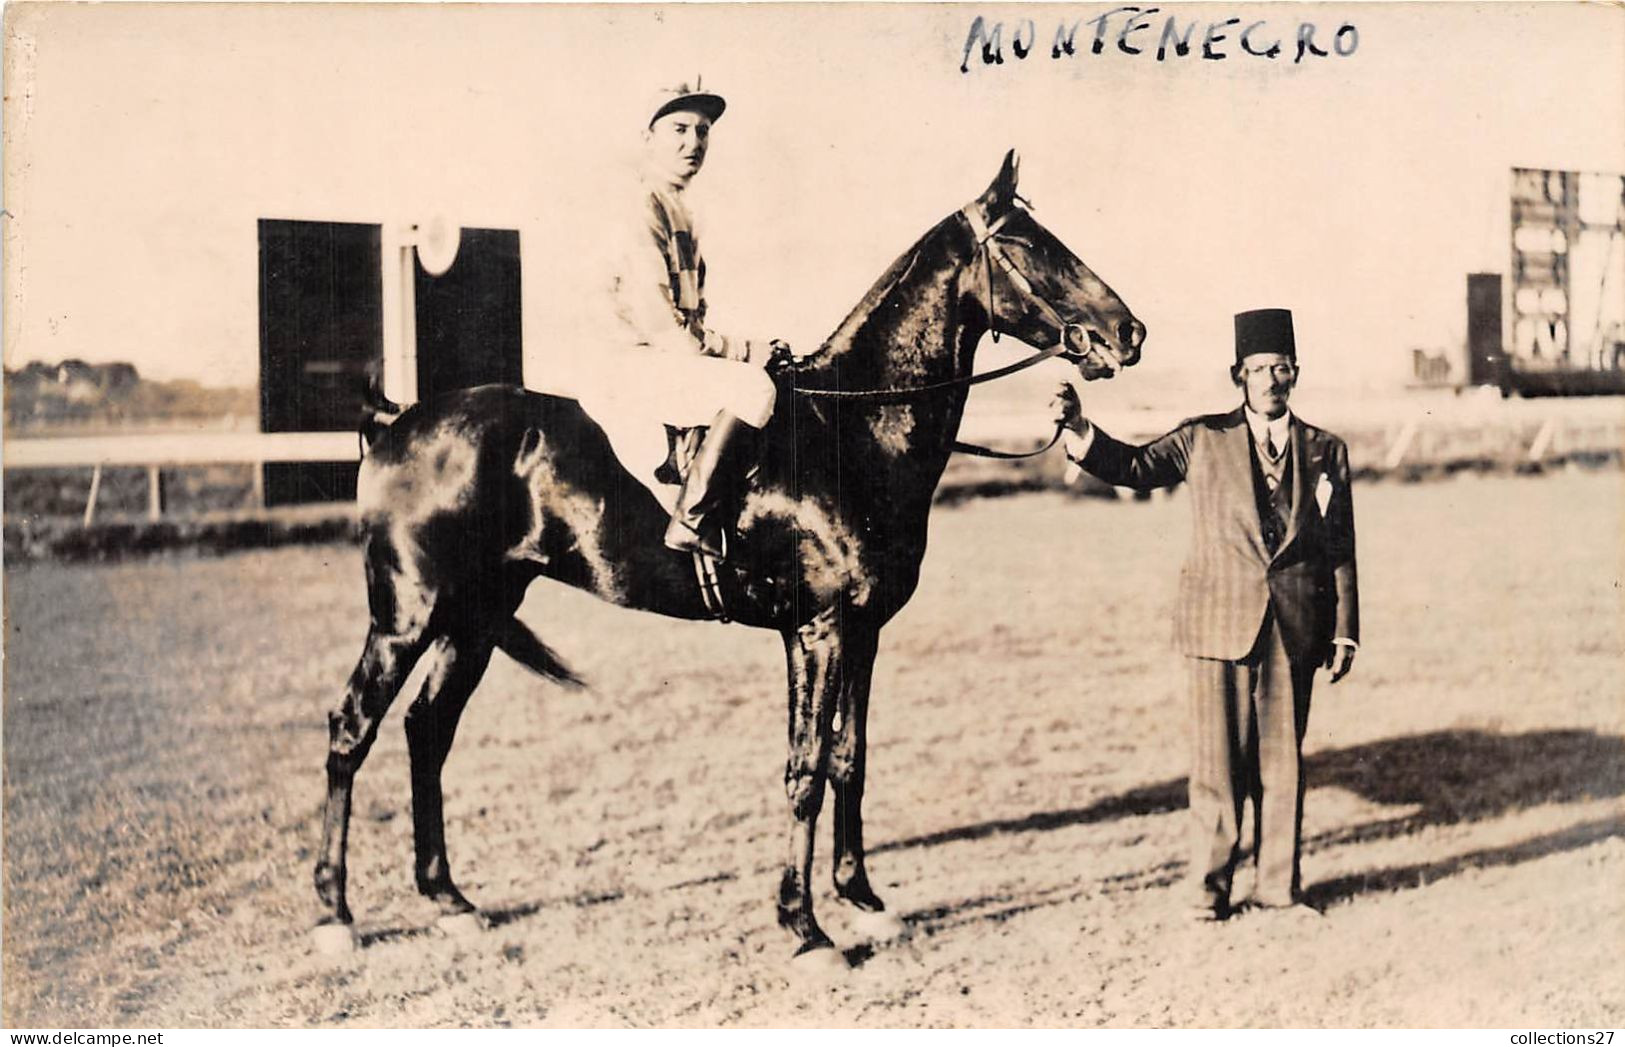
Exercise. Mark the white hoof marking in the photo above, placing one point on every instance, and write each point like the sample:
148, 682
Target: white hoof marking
462, 925
334, 939
820, 964
878, 926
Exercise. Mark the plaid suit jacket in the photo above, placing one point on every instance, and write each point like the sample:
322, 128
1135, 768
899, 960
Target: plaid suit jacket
1229, 578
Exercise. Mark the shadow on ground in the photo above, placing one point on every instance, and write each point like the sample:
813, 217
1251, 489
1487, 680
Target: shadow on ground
1452, 776
1327, 892
1468, 776
1441, 778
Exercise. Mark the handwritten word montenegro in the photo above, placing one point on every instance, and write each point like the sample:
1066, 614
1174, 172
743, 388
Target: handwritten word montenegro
1131, 30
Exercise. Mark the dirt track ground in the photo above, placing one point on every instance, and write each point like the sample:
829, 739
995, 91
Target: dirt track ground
164, 736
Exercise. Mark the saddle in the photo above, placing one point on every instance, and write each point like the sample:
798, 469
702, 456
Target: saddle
681, 447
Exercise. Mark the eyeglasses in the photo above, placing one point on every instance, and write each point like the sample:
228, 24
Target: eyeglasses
1278, 371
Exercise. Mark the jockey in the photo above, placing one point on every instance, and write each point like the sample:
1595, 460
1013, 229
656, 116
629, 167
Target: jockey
688, 375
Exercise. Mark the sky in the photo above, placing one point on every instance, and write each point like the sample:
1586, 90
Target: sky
143, 142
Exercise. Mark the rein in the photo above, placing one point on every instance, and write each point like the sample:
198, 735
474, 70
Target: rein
988, 246
988, 452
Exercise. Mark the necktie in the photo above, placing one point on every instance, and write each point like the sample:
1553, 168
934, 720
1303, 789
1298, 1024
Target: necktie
1269, 445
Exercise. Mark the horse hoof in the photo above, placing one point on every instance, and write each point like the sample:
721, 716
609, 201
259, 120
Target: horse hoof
884, 926
334, 939
462, 924
820, 964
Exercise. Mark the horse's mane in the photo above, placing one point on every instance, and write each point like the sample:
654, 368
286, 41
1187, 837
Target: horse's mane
783, 436
846, 333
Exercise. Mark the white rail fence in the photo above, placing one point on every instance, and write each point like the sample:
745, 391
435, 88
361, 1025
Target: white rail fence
1384, 439
158, 451
1516, 434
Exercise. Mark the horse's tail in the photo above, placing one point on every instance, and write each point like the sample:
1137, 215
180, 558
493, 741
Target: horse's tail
378, 412
526, 648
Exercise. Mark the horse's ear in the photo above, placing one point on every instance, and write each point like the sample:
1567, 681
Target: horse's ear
1002, 192
1007, 174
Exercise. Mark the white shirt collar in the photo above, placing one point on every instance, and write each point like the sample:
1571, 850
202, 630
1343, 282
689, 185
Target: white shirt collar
1278, 428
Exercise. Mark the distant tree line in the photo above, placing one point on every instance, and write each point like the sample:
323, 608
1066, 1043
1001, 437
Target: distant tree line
74, 393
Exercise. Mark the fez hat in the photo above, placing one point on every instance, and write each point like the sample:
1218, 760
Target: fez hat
1265, 331
686, 96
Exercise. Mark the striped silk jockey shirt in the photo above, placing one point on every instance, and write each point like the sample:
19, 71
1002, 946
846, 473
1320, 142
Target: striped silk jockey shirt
658, 288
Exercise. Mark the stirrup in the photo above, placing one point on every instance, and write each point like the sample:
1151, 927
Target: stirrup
705, 570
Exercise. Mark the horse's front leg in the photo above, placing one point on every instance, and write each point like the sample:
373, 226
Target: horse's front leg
814, 655
846, 773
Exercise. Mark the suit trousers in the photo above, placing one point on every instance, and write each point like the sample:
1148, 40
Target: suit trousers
1247, 724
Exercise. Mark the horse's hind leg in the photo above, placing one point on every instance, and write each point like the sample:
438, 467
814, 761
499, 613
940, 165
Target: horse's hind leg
386, 660
455, 664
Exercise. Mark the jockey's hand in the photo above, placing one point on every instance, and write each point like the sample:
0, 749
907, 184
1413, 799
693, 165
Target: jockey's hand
715, 344
1066, 411
780, 354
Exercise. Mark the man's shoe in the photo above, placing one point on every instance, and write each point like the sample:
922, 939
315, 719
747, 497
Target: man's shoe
1207, 908
1298, 913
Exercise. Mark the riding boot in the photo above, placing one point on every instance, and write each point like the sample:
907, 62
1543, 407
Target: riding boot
694, 525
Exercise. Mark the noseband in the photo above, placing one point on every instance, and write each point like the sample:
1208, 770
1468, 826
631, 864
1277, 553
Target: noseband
988, 246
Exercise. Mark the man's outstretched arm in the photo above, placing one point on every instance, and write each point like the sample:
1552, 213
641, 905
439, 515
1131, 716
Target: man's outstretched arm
1160, 463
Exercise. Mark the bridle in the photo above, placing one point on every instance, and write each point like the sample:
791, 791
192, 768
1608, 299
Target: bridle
993, 253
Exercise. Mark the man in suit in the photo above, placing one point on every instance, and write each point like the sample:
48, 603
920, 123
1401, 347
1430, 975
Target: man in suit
1267, 595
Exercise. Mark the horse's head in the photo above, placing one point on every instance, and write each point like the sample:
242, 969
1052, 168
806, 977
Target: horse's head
1032, 286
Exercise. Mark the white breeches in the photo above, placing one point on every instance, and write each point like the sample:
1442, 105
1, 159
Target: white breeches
677, 388
634, 393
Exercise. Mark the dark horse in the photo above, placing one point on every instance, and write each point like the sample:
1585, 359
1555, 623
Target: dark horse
467, 499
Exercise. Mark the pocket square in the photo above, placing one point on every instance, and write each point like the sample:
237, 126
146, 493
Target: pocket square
1323, 493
